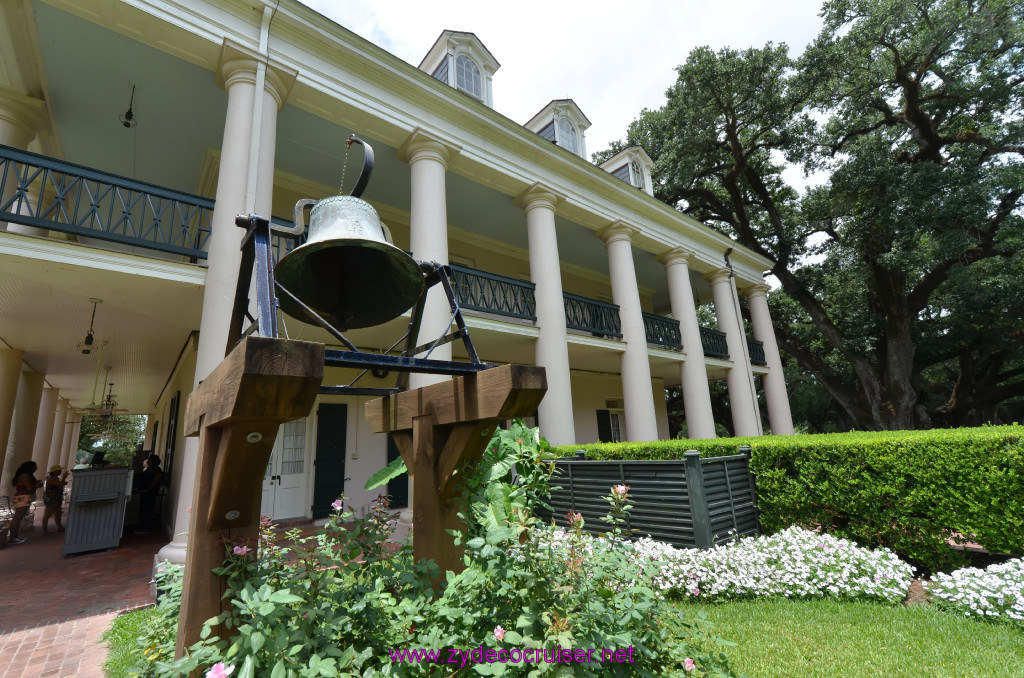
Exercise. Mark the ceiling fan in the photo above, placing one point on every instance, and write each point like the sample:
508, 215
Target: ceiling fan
108, 405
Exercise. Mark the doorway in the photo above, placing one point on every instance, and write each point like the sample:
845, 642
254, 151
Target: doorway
284, 483
329, 483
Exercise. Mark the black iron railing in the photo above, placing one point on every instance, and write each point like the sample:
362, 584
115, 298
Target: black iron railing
714, 343
482, 291
60, 196
662, 331
756, 352
590, 315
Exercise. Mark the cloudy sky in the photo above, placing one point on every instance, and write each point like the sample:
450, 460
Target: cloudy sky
613, 59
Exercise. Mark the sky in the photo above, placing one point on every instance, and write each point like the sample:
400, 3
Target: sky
612, 59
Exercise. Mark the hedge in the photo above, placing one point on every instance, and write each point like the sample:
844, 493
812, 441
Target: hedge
909, 491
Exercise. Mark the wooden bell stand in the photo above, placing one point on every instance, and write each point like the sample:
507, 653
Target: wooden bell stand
441, 428
264, 382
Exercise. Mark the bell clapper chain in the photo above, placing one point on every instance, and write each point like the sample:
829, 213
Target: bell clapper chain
344, 163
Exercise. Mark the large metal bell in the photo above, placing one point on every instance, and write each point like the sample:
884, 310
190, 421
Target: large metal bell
347, 271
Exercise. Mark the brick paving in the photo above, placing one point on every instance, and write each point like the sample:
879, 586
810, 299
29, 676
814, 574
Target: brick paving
53, 609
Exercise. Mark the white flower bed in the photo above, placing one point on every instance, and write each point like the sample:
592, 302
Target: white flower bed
997, 591
794, 563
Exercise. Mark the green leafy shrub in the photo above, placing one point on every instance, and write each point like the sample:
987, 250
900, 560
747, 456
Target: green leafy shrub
909, 491
342, 603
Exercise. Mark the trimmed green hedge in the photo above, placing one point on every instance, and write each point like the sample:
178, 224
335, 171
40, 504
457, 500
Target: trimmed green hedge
910, 491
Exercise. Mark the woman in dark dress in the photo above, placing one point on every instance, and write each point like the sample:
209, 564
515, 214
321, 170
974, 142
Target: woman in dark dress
25, 486
149, 487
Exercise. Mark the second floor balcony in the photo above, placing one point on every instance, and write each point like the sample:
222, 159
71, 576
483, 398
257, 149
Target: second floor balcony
92, 205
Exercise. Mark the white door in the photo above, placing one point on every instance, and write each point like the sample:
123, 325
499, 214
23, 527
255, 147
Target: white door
284, 483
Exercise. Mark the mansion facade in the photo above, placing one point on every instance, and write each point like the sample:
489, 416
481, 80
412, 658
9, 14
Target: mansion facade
133, 132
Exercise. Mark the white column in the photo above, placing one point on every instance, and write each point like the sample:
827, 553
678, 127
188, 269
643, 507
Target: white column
700, 421
60, 418
739, 380
44, 432
638, 396
20, 119
10, 372
775, 393
69, 448
240, 148
552, 351
428, 159
23, 425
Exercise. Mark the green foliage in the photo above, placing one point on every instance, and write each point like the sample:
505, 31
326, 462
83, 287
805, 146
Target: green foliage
900, 272
386, 474
117, 435
122, 640
157, 640
908, 491
339, 603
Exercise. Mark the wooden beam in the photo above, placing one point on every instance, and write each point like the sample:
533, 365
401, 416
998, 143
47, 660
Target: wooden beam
498, 393
236, 412
441, 428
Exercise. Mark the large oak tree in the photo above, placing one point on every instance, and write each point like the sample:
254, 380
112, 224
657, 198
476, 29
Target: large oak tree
901, 273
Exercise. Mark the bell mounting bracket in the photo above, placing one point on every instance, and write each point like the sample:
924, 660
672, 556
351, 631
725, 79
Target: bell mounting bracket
258, 259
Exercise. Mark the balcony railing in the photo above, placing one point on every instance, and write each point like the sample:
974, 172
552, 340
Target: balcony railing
590, 315
482, 291
662, 331
43, 192
714, 343
756, 352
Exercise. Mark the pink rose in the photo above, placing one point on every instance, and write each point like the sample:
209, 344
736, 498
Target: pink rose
218, 670
336, 505
499, 632
240, 551
621, 490
688, 664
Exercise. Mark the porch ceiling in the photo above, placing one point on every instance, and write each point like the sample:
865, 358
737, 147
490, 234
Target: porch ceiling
146, 316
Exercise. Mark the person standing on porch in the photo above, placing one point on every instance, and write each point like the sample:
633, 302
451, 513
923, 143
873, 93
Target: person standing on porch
25, 486
149, 487
53, 496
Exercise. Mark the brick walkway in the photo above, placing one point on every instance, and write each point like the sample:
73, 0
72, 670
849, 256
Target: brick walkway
54, 609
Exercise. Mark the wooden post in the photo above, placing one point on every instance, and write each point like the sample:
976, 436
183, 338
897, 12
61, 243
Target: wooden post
698, 500
236, 413
441, 427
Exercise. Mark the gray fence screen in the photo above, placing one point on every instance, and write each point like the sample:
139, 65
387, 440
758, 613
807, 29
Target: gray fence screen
689, 503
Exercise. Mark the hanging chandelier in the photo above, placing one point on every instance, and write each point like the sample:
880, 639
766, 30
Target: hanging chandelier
87, 345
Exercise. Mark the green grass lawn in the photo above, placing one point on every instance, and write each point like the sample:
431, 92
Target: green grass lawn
797, 639
124, 653
826, 638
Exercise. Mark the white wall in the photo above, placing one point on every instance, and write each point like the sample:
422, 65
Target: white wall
589, 392
181, 381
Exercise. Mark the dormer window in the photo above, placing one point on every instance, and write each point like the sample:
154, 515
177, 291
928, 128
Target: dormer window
633, 166
638, 175
567, 136
467, 77
461, 61
562, 122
